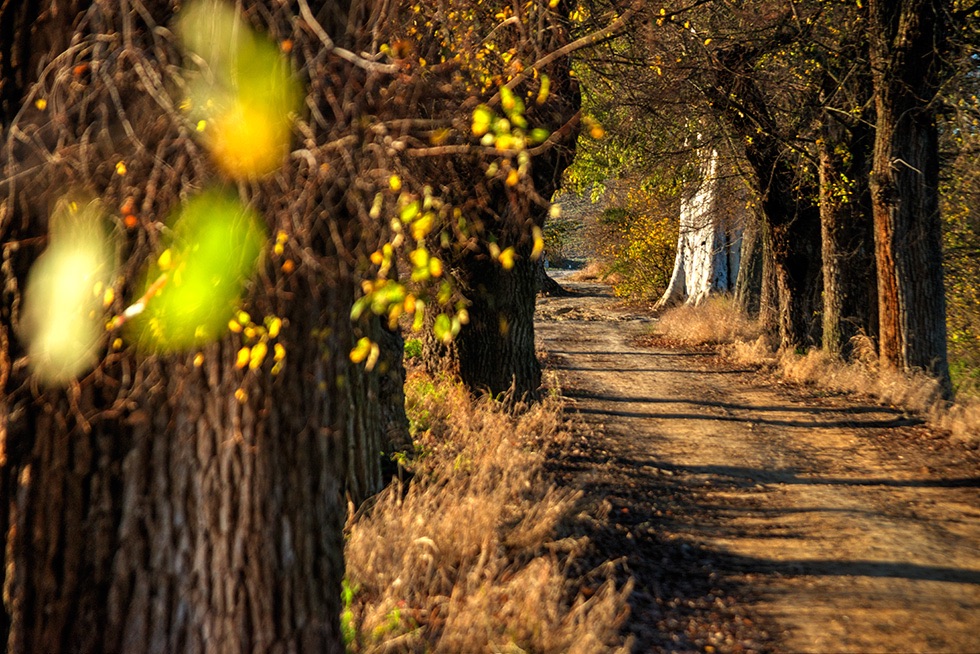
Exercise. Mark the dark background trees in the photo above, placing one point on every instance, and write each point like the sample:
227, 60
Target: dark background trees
795, 92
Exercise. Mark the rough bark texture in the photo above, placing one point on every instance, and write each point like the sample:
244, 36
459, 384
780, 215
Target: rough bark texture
769, 295
748, 286
847, 236
908, 39
152, 511
792, 222
548, 286
496, 349
159, 506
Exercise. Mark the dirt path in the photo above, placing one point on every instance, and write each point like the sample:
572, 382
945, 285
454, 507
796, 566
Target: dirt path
756, 516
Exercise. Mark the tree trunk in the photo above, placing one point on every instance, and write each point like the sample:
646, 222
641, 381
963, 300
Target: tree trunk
548, 286
792, 222
849, 275
769, 296
160, 504
708, 243
496, 349
908, 39
377, 423
796, 254
150, 511
748, 286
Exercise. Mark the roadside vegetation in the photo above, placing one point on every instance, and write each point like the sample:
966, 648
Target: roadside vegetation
719, 322
468, 551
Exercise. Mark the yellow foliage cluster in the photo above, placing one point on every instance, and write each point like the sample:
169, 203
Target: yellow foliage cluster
639, 242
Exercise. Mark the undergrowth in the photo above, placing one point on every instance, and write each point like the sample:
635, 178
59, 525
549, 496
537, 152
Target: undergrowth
467, 556
718, 322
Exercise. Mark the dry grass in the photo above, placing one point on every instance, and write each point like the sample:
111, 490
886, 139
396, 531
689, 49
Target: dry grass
465, 557
712, 322
717, 322
592, 271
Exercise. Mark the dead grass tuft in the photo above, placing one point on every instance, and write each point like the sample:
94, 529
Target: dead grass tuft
592, 271
713, 322
465, 557
717, 322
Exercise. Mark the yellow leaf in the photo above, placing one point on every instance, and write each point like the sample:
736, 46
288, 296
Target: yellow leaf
513, 177
544, 90
198, 360
121, 168
422, 226
165, 261
275, 324
372, 358
361, 350
507, 257
41, 104
258, 355
244, 355
538, 247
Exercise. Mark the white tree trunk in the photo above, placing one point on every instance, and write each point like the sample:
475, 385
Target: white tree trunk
708, 244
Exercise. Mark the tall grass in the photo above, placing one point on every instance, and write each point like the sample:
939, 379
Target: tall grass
718, 322
713, 322
467, 556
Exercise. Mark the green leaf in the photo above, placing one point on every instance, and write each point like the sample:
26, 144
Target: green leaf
216, 247
443, 328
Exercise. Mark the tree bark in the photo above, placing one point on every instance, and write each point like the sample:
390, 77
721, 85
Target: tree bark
748, 286
150, 511
496, 348
792, 222
847, 235
908, 39
708, 243
769, 295
157, 505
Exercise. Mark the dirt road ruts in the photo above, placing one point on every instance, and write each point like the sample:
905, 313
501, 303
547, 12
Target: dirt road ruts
761, 516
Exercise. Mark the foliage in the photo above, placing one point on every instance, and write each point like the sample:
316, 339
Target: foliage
638, 242
558, 234
65, 292
961, 216
413, 348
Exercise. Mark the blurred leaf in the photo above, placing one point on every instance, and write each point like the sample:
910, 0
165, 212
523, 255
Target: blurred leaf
215, 249
245, 104
443, 328
62, 320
